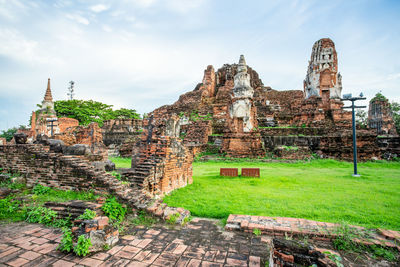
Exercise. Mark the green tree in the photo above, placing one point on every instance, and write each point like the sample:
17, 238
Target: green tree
361, 118
9, 134
87, 111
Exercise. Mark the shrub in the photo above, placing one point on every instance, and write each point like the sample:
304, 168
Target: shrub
8, 208
41, 189
82, 246
66, 241
41, 215
114, 210
87, 215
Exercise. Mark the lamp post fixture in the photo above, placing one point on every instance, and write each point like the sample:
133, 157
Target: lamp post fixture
51, 125
348, 97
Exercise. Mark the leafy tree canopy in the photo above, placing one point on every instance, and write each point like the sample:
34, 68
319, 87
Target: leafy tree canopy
361, 118
91, 111
9, 134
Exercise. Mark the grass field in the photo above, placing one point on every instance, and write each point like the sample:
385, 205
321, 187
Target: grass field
121, 162
322, 190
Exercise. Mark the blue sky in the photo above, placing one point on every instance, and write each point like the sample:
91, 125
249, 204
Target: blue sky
142, 54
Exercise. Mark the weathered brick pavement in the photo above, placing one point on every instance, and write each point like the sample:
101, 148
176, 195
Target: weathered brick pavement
200, 243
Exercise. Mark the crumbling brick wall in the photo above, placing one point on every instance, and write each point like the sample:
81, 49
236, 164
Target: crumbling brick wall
196, 132
160, 163
90, 135
65, 123
117, 131
40, 165
380, 116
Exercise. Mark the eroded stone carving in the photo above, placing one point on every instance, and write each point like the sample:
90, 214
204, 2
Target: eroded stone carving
242, 94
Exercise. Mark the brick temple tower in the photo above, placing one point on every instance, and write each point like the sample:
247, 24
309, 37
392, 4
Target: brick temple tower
323, 78
47, 103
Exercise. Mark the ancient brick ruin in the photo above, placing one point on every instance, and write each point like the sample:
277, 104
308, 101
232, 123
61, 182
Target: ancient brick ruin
380, 116
120, 136
160, 161
233, 113
39, 164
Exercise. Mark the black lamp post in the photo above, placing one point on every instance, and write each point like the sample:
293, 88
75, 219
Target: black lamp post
51, 125
348, 97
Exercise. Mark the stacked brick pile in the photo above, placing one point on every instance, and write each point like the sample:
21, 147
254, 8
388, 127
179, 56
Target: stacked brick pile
99, 231
74, 208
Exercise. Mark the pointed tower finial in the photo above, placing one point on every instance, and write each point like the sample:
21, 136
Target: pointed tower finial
48, 96
242, 61
242, 64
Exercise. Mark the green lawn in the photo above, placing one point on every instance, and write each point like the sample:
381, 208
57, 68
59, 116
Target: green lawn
121, 162
322, 190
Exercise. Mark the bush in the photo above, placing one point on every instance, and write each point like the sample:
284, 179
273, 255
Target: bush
114, 210
41, 189
82, 246
8, 208
87, 215
66, 241
41, 215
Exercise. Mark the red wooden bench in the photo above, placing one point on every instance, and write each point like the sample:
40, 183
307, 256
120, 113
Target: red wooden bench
232, 172
251, 172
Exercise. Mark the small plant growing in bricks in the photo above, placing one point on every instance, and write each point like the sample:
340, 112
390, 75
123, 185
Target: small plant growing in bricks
173, 218
144, 219
66, 244
82, 246
256, 232
40, 189
335, 258
114, 210
346, 240
117, 175
87, 215
41, 215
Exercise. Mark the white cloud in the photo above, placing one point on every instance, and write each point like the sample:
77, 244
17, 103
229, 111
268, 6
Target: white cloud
107, 28
183, 6
78, 18
144, 3
99, 8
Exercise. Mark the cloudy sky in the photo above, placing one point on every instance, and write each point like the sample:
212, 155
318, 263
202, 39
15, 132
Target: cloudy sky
142, 54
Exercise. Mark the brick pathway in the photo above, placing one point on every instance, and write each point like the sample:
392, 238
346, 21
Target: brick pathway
200, 243
282, 226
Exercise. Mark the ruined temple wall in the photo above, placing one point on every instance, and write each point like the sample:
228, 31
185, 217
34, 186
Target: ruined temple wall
38, 165
177, 167
196, 132
65, 123
115, 132
380, 117
90, 135
161, 162
340, 146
